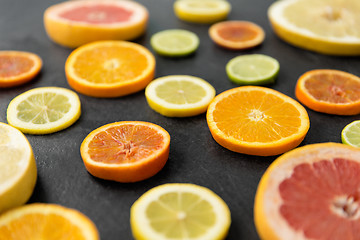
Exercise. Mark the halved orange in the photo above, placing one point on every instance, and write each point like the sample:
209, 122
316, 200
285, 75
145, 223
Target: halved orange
74, 23
329, 91
110, 68
18, 67
237, 34
257, 121
127, 151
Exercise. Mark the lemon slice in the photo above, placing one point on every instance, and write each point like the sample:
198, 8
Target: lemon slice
324, 26
180, 211
350, 135
17, 168
179, 95
44, 110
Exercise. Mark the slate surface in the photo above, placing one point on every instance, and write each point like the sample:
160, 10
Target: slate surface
194, 156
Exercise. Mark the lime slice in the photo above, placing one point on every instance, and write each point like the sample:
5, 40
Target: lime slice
44, 110
350, 135
179, 95
180, 211
174, 42
253, 69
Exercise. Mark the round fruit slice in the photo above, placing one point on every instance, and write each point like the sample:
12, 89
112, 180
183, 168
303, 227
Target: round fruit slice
44, 110
128, 151
204, 11
17, 67
310, 193
257, 121
324, 26
175, 42
110, 68
180, 211
253, 69
74, 23
17, 168
350, 135
179, 95
329, 91
46, 221
237, 35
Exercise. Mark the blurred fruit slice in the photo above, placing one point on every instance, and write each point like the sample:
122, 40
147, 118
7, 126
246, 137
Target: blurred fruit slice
180, 211
74, 23
324, 26
350, 135
18, 67
236, 35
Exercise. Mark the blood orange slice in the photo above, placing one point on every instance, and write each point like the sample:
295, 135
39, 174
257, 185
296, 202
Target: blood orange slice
74, 23
312, 192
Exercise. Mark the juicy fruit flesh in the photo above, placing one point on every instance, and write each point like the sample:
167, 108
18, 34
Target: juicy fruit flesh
110, 64
256, 117
334, 88
237, 33
322, 199
202, 5
43, 108
97, 14
181, 215
180, 92
175, 42
14, 65
252, 69
125, 144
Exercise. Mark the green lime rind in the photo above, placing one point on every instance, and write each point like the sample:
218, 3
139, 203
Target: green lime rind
253, 69
350, 135
175, 42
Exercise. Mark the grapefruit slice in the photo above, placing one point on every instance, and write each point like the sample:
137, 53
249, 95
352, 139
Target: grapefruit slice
74, 23
312, 192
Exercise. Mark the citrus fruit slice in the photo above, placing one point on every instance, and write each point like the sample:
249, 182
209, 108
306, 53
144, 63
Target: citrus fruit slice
179, 211
175, 42
127, 151
253, 69
204, 11
179, 95
257, 121
74, 23
310, 193
17, 67
324, 26
17, 168
236, 35
329, 91
46, 221
110, 68
350, 135
44, 110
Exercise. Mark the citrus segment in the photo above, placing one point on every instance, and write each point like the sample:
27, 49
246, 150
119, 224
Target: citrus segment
179, 95
128, 151
350, 135
329, 91
110, 68
204, 11
17, 67
74, 23
310, 193
324, 26
17, 168
237, 35
180, 211
46, 221
257, 121
44, 110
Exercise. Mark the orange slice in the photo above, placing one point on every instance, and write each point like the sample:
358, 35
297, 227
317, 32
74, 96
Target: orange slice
128, 151
310, 193
110, 68
257, 121
237, 34
46, 221
329, 91
17, 67
74, 23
